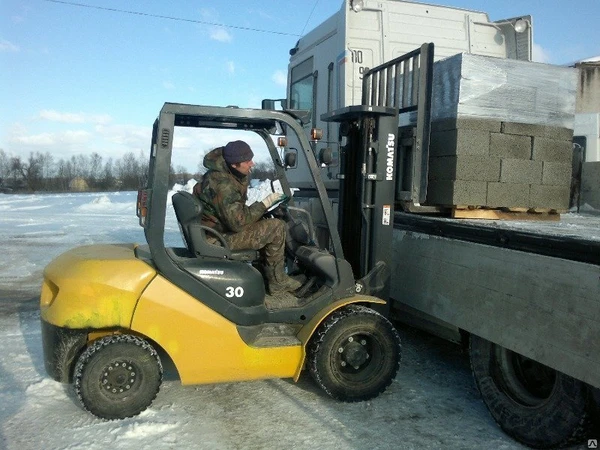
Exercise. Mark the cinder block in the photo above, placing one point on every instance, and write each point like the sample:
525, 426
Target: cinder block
467, 123
551, 150
520, 171
465, 167
510, 146
508, 195
459, 142
552, 197
529, 129
447, 192
557, 174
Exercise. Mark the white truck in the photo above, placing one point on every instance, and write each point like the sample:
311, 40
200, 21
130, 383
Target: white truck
326, 65
524, 299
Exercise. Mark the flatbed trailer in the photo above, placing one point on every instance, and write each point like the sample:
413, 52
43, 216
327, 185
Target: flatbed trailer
540, 282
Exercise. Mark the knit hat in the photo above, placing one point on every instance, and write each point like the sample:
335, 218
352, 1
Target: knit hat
236, 152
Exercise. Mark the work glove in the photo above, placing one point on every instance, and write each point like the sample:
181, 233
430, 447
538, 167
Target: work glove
271, 199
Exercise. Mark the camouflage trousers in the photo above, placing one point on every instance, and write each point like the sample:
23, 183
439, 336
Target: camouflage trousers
266, 235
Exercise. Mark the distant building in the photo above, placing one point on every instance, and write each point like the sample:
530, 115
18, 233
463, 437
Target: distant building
588, 92
78, 184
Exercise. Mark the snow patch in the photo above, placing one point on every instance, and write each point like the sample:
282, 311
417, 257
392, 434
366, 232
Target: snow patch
104, 204
143, 430
46, 388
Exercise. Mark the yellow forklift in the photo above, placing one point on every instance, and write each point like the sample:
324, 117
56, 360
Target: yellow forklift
112, 314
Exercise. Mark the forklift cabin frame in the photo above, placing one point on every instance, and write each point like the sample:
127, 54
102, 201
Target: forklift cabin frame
170, 261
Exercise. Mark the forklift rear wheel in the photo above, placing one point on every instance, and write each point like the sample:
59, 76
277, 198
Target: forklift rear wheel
355, 354
118, 376
533, 403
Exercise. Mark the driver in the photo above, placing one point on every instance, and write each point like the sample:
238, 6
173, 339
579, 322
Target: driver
223, 193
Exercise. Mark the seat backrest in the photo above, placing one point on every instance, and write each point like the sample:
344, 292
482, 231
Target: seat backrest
188, 210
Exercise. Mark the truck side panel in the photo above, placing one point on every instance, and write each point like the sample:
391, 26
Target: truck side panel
542, 307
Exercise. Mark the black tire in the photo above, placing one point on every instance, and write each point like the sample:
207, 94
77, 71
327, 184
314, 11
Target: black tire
534, 404
118, 376
354, 355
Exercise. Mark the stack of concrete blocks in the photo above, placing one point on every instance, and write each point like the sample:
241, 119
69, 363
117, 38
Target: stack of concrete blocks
501, 133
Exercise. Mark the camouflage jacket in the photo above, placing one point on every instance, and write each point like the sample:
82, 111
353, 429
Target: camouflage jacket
223, 195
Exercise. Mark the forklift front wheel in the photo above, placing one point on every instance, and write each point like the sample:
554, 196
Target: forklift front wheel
355, 353
118, 376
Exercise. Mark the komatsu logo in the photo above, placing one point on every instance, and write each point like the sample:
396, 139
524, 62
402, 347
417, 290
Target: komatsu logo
391, 148
211, 272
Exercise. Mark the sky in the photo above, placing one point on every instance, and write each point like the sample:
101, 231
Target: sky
433, 402
81, 77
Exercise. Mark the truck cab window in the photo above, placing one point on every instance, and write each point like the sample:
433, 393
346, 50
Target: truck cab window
301, 88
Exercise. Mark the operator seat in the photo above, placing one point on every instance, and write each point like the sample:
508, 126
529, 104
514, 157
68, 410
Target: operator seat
188, 210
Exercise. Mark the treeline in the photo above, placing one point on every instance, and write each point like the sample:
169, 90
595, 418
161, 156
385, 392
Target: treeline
42, 172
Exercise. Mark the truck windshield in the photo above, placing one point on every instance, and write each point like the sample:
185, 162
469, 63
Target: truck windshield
301, 87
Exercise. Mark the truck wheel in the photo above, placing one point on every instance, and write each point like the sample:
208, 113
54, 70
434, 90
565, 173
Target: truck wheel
534, 404
354, 355
118, 376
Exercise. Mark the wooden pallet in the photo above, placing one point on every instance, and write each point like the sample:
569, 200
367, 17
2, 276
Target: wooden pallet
476, 212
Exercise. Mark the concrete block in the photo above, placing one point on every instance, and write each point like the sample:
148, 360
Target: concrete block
510, 146
467, 123
530, 129
520, 171
556, 174
552, 197
459, 192
465, 167
590, 185
545, 149
459, 142
508, 195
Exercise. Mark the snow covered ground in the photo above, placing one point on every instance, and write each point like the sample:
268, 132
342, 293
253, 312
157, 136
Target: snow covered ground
432, 403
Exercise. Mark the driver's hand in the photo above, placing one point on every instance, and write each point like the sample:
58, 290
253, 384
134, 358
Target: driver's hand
271, 199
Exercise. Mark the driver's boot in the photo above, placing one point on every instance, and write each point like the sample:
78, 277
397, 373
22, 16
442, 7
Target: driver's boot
278, 280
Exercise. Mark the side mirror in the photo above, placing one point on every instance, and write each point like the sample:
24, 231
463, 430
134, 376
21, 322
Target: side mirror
326, 156
290, 159
275, 104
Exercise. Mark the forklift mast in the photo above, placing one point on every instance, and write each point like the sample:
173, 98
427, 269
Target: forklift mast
379, 168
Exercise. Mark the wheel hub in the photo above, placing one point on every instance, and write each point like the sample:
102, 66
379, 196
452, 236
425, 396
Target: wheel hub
525, 381
353, 352
118, 377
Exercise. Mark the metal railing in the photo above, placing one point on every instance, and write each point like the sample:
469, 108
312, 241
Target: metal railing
401, 82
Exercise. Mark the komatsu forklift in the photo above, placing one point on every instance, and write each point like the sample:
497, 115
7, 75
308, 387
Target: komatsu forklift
112, 314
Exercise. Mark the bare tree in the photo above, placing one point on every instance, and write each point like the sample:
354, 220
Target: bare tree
95, 169
27, 173
4, 167
264, 170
